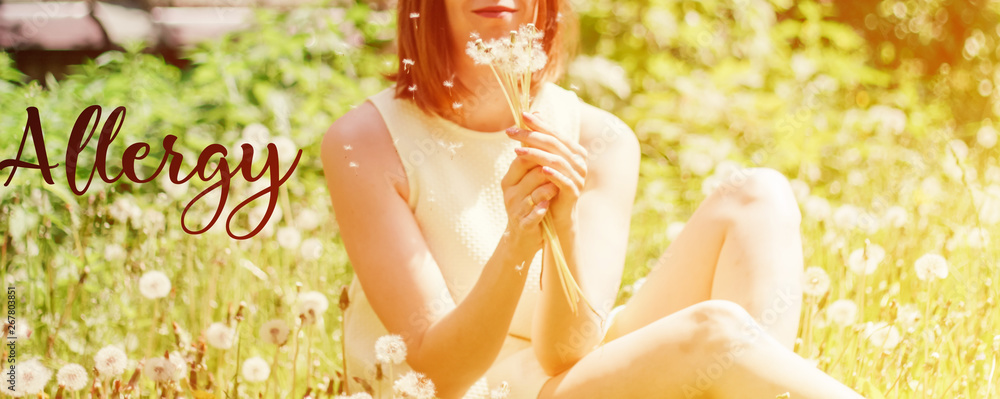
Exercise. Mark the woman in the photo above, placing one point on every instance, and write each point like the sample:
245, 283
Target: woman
440, 213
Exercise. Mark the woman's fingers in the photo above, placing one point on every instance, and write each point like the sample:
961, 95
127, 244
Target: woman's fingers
535, 214
555, 162
561, 181
535, 122
541, 140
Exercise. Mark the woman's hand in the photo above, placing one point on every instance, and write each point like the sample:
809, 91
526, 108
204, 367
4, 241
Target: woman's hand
526, 194
562, 161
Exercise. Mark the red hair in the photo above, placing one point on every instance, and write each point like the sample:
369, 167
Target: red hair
433, 41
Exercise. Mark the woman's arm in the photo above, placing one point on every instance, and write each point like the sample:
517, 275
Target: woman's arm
594, 243
452, 345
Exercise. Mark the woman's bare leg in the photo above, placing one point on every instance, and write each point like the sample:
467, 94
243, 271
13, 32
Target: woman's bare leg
713, 349
742, 244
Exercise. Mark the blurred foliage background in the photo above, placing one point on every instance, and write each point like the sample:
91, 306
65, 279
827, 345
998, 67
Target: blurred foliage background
879, 112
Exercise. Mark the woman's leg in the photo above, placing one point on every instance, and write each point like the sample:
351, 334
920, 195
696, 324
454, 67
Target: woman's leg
712, 349
742, 244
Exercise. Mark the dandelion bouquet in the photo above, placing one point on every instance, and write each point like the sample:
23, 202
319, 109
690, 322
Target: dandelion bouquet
513, 62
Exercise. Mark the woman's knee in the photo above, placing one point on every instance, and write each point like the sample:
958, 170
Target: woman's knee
764, 190
721, 325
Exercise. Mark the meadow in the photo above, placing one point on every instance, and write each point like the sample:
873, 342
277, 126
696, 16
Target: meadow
888, 143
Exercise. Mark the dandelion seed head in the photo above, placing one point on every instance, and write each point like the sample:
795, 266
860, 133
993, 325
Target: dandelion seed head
159, 369
72, 376
866, 261
816, 282
882, 335
390, 349
312, 305
289, 237
842, 312
110, 361
256, 369
414, 385
32, 376
275, 332
220, 336
154, 284
931, 266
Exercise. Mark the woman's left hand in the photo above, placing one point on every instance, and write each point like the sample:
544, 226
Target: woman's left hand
563, 162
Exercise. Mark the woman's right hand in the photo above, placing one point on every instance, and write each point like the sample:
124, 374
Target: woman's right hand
526, 194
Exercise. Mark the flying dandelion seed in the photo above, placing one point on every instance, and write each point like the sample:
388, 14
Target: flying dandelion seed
353, 164
414, 15
347, 147
456, 105
449, 84
412, 88
407, 63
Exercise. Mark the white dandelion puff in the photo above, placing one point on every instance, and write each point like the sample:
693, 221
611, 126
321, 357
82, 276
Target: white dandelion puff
110, 361
863, 261
390, 349
414, 385
816, 282
311, 305
72, 376
275, 332
220, 336
289, 237
842, 312
159, 369
256, 369
114, 252
882, 334
154, 284
931, 266
33, 376
311, 249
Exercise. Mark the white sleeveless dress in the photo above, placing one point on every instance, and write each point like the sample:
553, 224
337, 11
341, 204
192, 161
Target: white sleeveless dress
454, 178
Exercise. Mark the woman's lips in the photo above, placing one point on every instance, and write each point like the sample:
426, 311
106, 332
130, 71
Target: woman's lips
494, 12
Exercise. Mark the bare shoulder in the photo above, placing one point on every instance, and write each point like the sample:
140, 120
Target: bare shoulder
358, 144
602, 133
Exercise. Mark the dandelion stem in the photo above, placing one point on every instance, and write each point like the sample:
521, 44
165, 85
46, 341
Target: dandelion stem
295, 355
